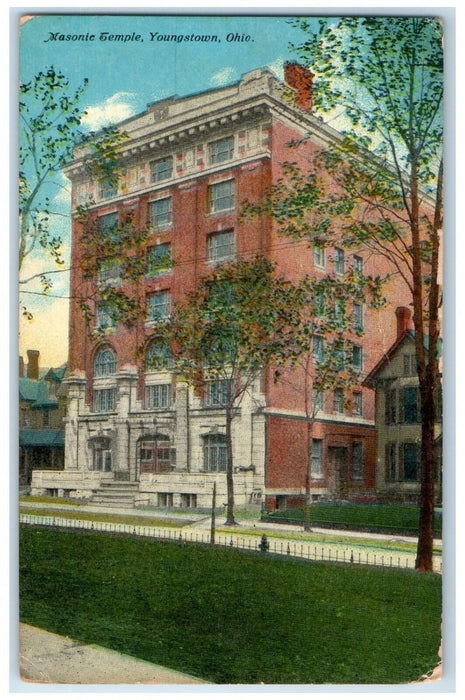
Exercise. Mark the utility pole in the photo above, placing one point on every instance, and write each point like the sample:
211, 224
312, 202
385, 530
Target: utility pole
212, 531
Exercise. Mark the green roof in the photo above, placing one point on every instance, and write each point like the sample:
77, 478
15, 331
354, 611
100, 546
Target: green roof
41, 438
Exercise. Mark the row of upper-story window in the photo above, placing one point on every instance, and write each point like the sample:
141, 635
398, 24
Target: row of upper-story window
159, 395
158, 306
190, 160
221, 197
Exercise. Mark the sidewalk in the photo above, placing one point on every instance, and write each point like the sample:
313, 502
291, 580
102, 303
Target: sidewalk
203, 522
49, 658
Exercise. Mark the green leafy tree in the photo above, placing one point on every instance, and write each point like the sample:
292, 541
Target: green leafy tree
379, 185
236, 324
50, 126
323, 351
51, 135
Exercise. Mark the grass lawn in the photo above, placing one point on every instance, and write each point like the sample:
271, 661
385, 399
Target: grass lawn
228, 616
375, 517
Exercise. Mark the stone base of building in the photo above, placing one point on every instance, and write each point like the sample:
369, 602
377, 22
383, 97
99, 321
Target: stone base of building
166, 490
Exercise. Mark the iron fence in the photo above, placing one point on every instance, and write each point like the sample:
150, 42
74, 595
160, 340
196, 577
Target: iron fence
273, 545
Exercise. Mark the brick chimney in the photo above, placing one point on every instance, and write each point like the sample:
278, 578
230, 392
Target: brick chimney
33, 364
404, 320
21, 367
299, 78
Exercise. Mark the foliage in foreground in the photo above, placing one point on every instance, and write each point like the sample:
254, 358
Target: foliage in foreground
230, 617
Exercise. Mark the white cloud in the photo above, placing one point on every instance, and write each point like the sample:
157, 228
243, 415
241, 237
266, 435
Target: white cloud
114, 109
277, 67
223, 76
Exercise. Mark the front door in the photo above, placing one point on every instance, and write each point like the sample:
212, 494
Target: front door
340, 469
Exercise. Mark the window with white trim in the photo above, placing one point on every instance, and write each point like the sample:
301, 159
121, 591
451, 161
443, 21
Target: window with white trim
221, 196
358, 317
104, 400
317, 459
214, 453
158, 396
319, 257
357, 357
358, 264
221, 150
357, 461
161, 169
158, 260
216, 393
339, 261
357, 403
339, 401
221, 246
161, 212
158, 306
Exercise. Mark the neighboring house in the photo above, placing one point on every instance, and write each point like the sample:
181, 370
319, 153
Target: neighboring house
398, 420
189, 164
42, 407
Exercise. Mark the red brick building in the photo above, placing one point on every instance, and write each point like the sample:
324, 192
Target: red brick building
189, 165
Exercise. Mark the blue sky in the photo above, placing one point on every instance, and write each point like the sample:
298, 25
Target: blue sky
123, 79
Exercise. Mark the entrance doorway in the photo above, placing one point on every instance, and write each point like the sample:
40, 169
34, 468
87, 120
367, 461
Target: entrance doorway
340, 470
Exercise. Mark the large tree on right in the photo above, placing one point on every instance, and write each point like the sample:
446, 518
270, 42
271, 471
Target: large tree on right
379, 184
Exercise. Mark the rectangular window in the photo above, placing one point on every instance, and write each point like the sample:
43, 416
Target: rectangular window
357, 461
339, 261
161, 169
358, 317
222, 150
317, 459
357, 403
318, 399
319, 256
411, 455
358, 264
104, 400
165, 500
221, 246
46, 419
109, 271
339, 401
188, 500
221, 196
158, 260
161, 212
391, 462
215, 453
107, 190
105, 317
216, 393
410, 365
390, 406
108, 222
410, 404
158, 306
158, 396
318, 348
357, 357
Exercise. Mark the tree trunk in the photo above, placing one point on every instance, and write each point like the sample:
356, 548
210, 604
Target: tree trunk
229, 469
424, 560
308, 477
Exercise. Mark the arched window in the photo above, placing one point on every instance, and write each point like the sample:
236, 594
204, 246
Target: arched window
158, 356
214, 453
105, 363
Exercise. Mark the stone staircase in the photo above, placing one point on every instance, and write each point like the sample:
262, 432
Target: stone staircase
116, 494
